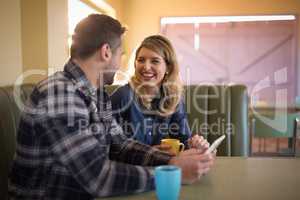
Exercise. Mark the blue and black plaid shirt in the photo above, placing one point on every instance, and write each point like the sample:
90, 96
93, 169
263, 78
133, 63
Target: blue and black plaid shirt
70, 147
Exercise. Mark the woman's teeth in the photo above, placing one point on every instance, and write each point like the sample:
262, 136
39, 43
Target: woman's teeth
148, 75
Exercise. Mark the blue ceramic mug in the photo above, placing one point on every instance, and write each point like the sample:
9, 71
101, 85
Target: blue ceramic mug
167, 182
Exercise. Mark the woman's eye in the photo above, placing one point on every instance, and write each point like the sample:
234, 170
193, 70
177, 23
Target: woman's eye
155, 62
140, 60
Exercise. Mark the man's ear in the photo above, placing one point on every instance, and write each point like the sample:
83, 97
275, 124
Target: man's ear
105, 52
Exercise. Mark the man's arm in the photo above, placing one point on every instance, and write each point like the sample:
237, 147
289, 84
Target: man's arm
134, 152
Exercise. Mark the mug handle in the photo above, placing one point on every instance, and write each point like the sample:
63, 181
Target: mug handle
181, 147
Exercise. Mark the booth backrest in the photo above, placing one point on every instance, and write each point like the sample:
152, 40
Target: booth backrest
216, 110
9, 120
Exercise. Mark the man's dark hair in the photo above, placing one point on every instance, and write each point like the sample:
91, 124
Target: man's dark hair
93, 32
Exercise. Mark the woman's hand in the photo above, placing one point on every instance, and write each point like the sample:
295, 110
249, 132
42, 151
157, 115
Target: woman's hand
198, 142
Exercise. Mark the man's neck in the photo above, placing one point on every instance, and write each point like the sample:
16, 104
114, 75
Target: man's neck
90, 69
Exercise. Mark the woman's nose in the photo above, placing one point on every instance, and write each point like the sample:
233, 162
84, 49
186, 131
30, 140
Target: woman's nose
147, 66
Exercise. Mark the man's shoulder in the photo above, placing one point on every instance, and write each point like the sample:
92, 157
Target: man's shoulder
57, 87
57, 96
56, 83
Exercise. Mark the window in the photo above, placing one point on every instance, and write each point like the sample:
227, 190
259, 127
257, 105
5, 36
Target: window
257, 51
77, 11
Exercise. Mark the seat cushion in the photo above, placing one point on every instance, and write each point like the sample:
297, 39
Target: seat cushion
10, 116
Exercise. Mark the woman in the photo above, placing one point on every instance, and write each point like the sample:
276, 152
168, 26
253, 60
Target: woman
151, 106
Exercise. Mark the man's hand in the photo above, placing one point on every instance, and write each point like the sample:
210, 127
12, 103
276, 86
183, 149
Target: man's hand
198, 142
193, 164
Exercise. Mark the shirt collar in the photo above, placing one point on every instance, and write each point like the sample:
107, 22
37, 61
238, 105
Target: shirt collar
79, 78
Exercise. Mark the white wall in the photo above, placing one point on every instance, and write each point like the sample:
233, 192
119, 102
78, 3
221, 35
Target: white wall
10, 41
58, 51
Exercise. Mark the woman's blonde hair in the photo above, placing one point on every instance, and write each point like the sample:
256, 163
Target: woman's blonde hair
171, 86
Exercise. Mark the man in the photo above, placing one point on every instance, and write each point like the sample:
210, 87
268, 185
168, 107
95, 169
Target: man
68, 144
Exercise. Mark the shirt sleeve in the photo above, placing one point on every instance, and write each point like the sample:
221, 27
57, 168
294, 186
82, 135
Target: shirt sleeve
84, 152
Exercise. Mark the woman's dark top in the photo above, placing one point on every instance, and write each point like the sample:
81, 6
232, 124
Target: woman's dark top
146, 127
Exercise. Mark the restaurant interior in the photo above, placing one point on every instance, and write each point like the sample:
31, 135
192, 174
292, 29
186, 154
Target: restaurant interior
239, 59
